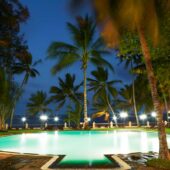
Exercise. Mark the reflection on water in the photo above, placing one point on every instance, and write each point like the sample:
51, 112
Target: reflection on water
82, 145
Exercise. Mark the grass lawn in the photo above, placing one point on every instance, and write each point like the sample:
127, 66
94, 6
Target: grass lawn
14, 132
159, 164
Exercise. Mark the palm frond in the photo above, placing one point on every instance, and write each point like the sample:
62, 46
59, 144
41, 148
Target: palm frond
59, 49
64, 62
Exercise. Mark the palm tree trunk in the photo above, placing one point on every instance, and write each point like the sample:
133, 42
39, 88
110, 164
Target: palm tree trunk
111, 110
134, 103
85, 99
163, 147
166, 106
16, 98
0, 122
134, 99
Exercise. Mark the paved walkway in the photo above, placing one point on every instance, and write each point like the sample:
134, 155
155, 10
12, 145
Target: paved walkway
22, 162
34, 162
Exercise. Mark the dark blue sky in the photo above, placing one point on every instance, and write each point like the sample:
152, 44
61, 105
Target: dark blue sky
47, 23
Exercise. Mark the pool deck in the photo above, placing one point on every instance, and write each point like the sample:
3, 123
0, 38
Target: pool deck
15, 161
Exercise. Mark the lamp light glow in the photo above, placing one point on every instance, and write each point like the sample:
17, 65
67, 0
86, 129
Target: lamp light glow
114, 117
143, 116
23, 119
124, 115
88, 119
44, 117
56, 119
153, 114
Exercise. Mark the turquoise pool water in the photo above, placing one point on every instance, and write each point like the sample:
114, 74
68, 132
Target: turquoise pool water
83, 146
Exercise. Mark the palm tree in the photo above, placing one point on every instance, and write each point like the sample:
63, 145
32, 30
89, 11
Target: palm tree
84, 48
5, 98
126, 102
74, 113
130, 57
38, 103
25, 65
143, 96
67, 91
102, 87
131, 15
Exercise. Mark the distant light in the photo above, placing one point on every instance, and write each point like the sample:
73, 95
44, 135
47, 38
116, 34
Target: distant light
153, 114
56, 119
43, 117
123, 114
114, 117
143, 116
23, 119
88, 119
168, 117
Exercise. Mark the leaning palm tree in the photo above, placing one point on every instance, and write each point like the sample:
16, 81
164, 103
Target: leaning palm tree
102, 87
133, 15
85, 48
66, 92
38, 103
126, 100
101, 108
26, 66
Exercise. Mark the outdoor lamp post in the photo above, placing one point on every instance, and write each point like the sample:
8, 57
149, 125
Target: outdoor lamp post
153, 114
168, 117
56, 119
114, 118
23, 119
124, 115
143, 117
43, 118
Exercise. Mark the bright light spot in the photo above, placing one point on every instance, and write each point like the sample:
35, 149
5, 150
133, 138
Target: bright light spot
23, 119
143, 116
123, 114
56, 119
114, 117
153, 114
88, 119
43, 117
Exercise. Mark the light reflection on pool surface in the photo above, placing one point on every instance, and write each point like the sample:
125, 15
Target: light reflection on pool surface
82, 145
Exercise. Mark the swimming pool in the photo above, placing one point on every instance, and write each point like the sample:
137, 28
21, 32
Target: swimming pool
82, 146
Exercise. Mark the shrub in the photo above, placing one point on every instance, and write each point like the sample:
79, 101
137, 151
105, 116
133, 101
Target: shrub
159, 163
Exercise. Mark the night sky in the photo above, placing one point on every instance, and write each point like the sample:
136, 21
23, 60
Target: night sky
47, 23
